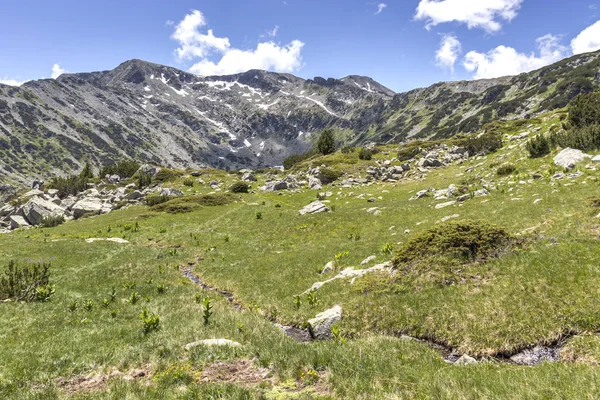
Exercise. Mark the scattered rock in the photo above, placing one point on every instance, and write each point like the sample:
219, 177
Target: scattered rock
329, 267
17, 221
465, 360
368, 260
568, 158
171, 192
36, 209
537, 355
248, 177
87, 205
320, 325
444, 205
314, 208
212, 343
149, 169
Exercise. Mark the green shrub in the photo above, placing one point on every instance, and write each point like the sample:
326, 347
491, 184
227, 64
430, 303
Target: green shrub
144, 179
485, 144
408, 153
188, 182
441, 253
290, 161
347, 150
166, 175
585, 138
240, 187
326, 142
506, 169
188, 204
87, 172
22, 283
538, 146
585, 110
329, 175
207, 310
125, 169
365, 154
52, 221
155, 199
69, 186
150, 322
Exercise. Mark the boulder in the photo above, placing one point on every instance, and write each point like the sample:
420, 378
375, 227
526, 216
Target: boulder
568, 158
275, 186
465, 360
171, 192
113, 179
16, 221
314, 183
212, 343
7, 210
37, 184
87, 205
149, 169
249, 177
320, 325
329, 267
36, 209
368, 260
314, 208
536, 356
136, 194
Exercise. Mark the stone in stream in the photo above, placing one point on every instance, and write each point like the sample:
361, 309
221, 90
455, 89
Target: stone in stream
212, 343
465, 360
537, 355
320, 326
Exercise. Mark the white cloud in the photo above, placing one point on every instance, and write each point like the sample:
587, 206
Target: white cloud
483, 14
57, 71
448, 52
503, 60
11, 82
380, 8
588, 40
267, 56
193, 44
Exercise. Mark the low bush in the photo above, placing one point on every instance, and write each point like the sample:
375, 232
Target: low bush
188, 182
156, 199
69, 186
144, 179
506, 169
441, 253
329, 175
240, 187
52, 221
290, 161
485, 144
538, 146
26, 283
166, 175
408, 153
125, 169
365, 154
188, 204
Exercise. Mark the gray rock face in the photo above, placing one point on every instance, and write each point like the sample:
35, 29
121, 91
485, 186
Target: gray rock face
320, 325
568, 158
314, 208
248, 177
17, 221
275, 186
7, 193
36, 209
87, 205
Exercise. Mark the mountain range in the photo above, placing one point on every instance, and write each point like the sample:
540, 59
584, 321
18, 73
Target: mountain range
162, 115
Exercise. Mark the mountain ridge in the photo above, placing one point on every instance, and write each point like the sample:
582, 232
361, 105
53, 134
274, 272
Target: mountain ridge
159, 114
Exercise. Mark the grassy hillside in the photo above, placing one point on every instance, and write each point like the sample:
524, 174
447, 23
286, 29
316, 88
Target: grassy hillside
397, 329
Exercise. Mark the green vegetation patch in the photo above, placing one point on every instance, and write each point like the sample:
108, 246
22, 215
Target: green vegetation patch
188, 204
440, 253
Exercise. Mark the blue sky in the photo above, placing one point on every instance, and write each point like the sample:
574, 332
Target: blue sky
403, 44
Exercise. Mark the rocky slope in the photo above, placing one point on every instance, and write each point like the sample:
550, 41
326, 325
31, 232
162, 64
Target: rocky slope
158, 114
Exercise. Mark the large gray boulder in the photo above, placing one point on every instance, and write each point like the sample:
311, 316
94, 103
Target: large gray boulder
314, 208
320, 326
16, 221
36, 209
149, 169
248, 177
86, 206
275, 186
568, 158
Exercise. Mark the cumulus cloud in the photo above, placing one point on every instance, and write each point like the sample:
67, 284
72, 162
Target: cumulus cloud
380, 8
484, 14
588, 40
194, 44
57, 71
448, 52
267, 56
11, 82
504, 60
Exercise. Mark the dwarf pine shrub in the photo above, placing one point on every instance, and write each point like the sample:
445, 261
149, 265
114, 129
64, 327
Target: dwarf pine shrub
26, 283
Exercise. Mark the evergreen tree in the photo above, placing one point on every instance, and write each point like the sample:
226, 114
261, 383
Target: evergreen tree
87, 172
326, 143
